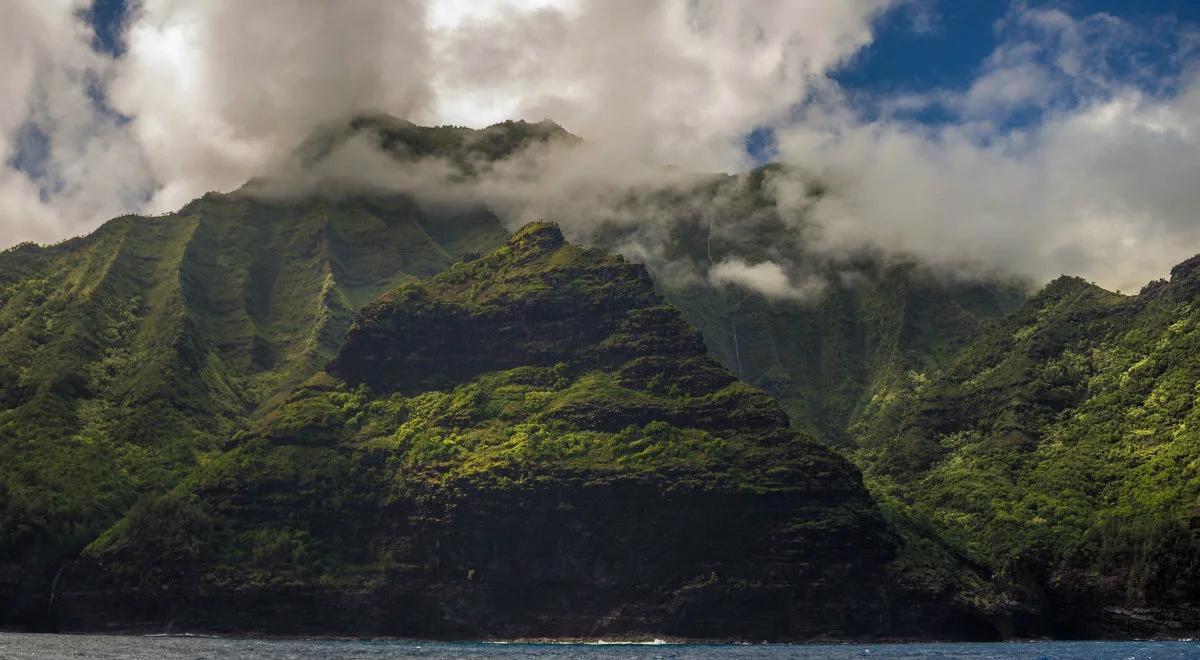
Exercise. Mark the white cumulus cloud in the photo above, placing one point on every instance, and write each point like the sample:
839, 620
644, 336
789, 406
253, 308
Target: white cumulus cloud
1100, 182
767, 278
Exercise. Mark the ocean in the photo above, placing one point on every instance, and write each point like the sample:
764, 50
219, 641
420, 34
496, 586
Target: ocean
25, 645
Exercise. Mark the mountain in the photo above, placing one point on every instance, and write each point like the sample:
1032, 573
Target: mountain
1061, 449
131, 356
128, 355
528, 444
267, 390
825, 356
405, 141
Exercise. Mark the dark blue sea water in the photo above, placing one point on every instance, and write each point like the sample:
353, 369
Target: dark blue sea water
21, 645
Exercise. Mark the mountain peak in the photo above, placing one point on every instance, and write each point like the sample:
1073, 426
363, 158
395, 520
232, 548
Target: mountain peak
404, 140
538, 422
538, 236
1185, 269
537, 301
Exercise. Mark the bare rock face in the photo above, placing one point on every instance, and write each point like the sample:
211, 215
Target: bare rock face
531, 444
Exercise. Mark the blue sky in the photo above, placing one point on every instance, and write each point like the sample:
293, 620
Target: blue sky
918, 46
106, 17
927, 46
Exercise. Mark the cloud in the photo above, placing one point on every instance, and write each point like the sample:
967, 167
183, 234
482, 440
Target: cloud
1070, 151
678, 82
767, 278
1099, 187
217, 89
64, 156
208, 94
586, 187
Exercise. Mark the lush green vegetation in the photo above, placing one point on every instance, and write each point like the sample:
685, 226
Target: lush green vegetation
158, 396
128, 356
1003, 437
581, 390
1066, 434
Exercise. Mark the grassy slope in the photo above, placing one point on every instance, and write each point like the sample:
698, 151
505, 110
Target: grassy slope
1066, 438
129, 354
571, 371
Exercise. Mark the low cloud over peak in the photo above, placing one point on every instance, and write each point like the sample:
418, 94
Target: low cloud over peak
1070, 149
766, 278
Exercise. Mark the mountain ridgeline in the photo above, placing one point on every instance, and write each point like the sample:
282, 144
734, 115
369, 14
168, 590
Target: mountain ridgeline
358, 412
1062, 448
529, 444
127, 355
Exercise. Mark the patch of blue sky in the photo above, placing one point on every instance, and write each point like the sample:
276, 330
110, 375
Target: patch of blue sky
107, 18
936, 51
928, 60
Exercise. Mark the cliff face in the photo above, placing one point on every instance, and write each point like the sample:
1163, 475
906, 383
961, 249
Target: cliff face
126, 354
554, 553
516, 308
529, 444
1061, 449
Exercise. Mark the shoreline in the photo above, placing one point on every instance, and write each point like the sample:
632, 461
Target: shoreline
583, 641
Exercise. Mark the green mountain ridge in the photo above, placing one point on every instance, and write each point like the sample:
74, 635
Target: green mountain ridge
130, 353
1062, 447
1031, 457
527, 444
404, 140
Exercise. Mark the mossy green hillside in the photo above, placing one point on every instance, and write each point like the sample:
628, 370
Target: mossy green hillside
128, 355
584, 450
1063, 444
